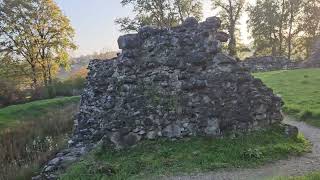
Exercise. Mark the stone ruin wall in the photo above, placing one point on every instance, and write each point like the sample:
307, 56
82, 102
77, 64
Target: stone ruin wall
167, 83
268, 63
172, 83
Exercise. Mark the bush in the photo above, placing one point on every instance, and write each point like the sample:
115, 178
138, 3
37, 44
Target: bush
252, 153
69, 87
10, 93
72, 86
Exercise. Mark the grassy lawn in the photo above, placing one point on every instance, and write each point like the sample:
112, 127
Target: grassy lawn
300, 89
311, 176
162, 157
12, 115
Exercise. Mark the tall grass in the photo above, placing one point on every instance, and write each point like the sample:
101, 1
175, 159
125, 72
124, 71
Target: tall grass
28, 144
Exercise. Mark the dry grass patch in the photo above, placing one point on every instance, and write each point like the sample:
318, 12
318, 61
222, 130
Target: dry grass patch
28, 144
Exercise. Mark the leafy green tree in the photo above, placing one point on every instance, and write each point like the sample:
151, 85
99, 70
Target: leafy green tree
160, 13
266, 24
310, 23
16, 34
284, 27
35, 32
293, 11
230, 12
55, 37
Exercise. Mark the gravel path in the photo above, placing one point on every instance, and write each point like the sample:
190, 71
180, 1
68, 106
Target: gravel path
290, 167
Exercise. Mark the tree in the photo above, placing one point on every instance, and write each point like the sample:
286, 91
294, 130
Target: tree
36, 32
230, 12
160, 13
16, 33
188, 8
264, 23
55, 36
279, 27
294, 10
311, 23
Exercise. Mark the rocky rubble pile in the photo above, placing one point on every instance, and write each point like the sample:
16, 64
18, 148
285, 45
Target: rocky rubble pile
268, 63
169, 83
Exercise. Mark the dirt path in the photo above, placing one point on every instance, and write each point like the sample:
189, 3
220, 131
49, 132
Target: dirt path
291, 167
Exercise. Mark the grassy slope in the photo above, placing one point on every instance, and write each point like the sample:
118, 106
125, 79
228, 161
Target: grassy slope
50, 121
12, 115
300, 89
161, 157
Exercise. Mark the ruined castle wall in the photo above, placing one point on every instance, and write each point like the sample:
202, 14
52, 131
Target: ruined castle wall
168, 83
172, 83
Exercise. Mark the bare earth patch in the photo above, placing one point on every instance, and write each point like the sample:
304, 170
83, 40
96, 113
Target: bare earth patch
293, 166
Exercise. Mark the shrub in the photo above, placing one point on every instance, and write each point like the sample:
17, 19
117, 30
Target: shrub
72, 86
252, 153
10, 93
69, 87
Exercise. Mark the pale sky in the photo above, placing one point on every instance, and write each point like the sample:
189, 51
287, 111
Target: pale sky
94, 23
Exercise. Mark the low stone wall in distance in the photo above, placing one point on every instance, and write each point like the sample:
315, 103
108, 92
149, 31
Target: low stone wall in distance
268, 63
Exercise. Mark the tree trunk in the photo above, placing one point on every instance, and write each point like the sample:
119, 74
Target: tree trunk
180, 10
232, 41
281, 28
35, 93
290, 37
308, 47
45, 76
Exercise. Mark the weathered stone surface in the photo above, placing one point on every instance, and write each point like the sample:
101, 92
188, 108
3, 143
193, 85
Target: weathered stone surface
172, 83
62, 160
190, 22
290, 131
268, 63
129, 41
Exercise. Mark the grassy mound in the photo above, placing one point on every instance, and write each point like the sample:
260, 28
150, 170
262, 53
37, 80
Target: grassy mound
162, 157
300, 89
12, 115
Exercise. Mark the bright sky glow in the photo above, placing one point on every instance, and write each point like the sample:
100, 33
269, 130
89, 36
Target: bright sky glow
94, 23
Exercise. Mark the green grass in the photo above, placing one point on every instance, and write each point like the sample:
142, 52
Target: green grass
12, 115
300, 90
311, 176
191, 155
